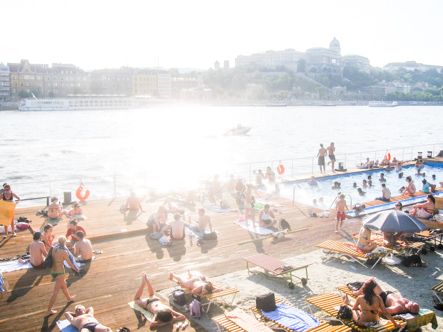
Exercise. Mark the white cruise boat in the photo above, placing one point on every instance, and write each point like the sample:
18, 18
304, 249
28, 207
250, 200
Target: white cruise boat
382, 104
79, 102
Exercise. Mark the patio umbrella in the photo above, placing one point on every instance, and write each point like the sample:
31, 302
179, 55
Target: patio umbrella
394, 221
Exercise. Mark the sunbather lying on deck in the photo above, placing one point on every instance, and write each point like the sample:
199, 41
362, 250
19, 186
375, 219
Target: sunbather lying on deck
394, 303
367, 306
195, 283
162, 313
84, 320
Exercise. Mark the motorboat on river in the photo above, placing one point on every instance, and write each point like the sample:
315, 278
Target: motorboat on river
239, 130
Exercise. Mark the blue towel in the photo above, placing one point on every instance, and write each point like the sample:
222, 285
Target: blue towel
1, 284
292, 318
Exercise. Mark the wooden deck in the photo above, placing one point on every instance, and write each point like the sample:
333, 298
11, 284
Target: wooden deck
114, 276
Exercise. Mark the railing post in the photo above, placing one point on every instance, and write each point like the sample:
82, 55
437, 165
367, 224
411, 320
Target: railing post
115, 186
292, 167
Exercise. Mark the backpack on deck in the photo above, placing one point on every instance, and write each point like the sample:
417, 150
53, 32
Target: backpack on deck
195, 308
284, 224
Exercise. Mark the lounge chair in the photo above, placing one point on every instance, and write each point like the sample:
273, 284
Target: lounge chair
330, 303
323, 327
276, 268
423, 318
438, 292
219, 293
401, 247
239, 321
348, 250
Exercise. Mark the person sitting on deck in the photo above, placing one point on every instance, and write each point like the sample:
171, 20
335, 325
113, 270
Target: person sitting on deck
391, 238
83, 248
367, 307
364, 240
157, 220
394, 303
177, 228
48, 237
54, 209
76, 212
133, 203
264, 217
384, 162
84, 320
410, 189
162, 313
203, 221
72, 232
424, 210
386, 194
37, 252
196, 283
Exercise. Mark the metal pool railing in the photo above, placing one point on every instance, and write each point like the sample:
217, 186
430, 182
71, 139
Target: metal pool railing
119, 185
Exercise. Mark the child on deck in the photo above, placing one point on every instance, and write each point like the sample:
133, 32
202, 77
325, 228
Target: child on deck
340, 208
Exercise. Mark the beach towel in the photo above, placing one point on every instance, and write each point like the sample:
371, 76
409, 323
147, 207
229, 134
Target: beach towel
149, 316
257, 229
54, 220
292, 318
217, 209
7, 210
65, 326
193, 231
14, 266
2, 229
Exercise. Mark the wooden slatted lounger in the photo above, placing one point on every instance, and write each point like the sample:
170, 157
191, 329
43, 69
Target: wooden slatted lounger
438, 291
323, 327
400, 249
276, 268
210, 298
341, 249
330, 301
243, 322
423, 318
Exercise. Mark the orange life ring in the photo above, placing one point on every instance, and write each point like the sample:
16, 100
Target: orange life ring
79, 193
388, 156
280, 169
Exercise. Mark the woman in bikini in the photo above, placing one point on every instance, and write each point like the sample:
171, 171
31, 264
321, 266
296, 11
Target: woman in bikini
410, 189
425, 210
9, 196
367, 306
196, 284
48, 237
59, 255
162, 313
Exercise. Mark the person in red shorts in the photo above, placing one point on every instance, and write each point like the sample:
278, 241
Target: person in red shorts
72, 230
340, 208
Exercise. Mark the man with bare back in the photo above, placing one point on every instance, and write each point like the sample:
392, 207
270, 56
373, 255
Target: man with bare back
84, 320
321, 158
331, 150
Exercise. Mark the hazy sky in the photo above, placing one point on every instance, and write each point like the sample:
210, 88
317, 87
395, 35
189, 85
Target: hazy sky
98, 34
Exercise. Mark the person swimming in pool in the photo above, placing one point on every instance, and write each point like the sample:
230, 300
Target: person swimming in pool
83, 319
162, 313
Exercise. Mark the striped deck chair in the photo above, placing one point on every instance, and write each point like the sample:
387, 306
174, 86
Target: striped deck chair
423, 318
323, 327
401, 248
330, 302
438, 292
341, 249
219, 293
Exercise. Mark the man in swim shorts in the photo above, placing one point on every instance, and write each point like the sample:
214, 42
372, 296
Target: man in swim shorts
162, 313
394, 303
321, 158
331, 150
37, 252
84, 320
341, 215
266, 217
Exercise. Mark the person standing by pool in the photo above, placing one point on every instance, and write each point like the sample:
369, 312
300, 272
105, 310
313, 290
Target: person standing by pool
331, 150
9, 196
340, 208
386, 194
321, 158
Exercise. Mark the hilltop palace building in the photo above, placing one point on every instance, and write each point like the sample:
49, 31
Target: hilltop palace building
318, 59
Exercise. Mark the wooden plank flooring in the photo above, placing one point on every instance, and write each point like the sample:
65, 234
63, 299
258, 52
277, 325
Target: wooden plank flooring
114, 276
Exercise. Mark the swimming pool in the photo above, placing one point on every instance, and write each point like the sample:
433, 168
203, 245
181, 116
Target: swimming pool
305, 193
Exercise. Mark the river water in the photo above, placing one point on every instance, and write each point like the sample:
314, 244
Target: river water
174, 147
